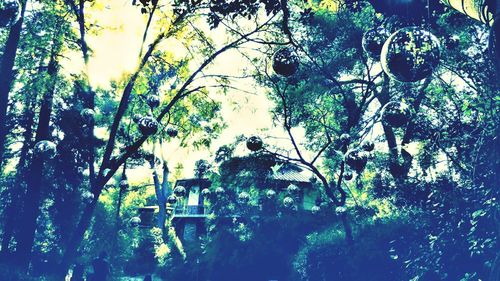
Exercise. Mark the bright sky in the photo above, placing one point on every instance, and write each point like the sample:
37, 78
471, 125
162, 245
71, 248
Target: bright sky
114, 53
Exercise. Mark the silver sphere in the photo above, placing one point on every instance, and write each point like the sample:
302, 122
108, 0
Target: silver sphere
46, 149
288, 202
10, 12
244, 197
148, 125
410, 54
373, 41
180, 191
396, 114
270, 193
285, 62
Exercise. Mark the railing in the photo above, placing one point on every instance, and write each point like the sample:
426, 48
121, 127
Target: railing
190, 211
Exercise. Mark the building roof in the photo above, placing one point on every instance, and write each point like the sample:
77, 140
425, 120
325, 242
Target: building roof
291, 173
193, 181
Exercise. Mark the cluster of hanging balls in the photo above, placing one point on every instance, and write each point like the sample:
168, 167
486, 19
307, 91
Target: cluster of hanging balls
408, 55
10, 12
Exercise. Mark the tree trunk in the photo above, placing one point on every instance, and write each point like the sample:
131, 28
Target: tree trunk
13, 207
77, 237
7, 75
161, 191
27, 226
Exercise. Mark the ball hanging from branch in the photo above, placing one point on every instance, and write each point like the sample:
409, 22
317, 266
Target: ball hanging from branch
254, 143
348, 176
153, 101
136, 118
340, 210
285, 62
270, 194
10, 12
172, 132
135, 221
410, 54
180, 191
288, 202
87, 196
368, 146
395, 114
243, 197
46, 149
293, 189
206, 192
148, 125
373, 41
172, 199
315, 209
356, 159
345, 138
87, 115
219, 191
124, 184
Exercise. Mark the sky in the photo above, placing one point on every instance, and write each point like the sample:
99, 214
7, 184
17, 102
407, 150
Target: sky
115, 50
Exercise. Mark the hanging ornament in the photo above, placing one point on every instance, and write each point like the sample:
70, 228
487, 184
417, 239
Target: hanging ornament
340, 210
87, 196
10, 12
285, 62
206, 192
356, 159
172, 132
348, 176
395, 114
315, 209
124, 184
219, 190
345, 138
243, 197
288, 202
368, 146
373, 41
180, 191
153, 101
136, 118
293, 189
410, 54
254, 143
172, 199
313, 179
135, 221
46, 149
148, 125
87, 115
270, 194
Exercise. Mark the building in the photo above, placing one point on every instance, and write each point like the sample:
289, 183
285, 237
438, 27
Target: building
190, 213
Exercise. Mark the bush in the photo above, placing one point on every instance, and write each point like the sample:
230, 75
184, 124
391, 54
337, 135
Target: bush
376, 254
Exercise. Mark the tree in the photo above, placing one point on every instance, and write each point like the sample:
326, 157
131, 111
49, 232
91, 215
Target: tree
345, 94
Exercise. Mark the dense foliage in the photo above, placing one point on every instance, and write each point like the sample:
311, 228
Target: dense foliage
403, 176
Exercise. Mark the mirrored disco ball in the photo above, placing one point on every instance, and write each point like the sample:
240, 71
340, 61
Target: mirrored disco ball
285, 62
373, 41
410, 54
10, 12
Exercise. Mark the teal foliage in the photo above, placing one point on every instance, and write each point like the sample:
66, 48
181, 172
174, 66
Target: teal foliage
376, 255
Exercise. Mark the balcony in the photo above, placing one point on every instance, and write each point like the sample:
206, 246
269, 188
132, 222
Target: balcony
190, 211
